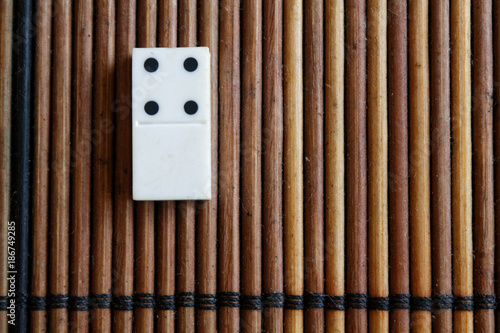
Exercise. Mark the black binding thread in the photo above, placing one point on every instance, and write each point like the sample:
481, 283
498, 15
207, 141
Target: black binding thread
57, 301
400, 301
228, 299
463, 303
78, 303
273, 300
144, 300
421, 303
185, 300
442, 301
4, 300
206, 302
165, 302
314, 301
378, 303
251, 302
100, 301
336, 303
294, 302
485, 302
356, 301
37, 303
123, 303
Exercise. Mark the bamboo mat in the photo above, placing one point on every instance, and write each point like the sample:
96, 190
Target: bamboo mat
354, 169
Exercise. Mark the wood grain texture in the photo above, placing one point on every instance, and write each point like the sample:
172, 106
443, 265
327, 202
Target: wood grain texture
482, 131
229, 159
6, 12
206, 258
251, 172
165, 261
123, 224
496, 133
185, 269
293, 194
378, 231
397, 83
314, 159
103, 166
334, 160
441, 159
356, 160
272, 159
461, 158
60, 161
420, 256
81, 150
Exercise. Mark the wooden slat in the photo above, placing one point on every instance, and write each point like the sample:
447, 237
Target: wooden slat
334, 161
461, 99
251, 172
206, 258
441, 159
397, 83
272, 160
81, 160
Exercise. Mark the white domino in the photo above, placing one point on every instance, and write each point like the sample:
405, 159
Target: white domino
171, 124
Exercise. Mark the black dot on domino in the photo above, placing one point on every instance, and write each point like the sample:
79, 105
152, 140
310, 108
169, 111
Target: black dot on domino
191, 107
151, 65
151, 108
190, 64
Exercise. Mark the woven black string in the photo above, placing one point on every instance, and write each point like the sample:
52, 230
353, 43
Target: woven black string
251, 302
356, 301
144, 300
442, 301
421, 303
336, 303
100, 301
78, 303
185, 299
314, 301
4, 300
400, 301
228, 299
123, 303
485, 302
57, 301
294, 302
463, 303
206, 302
37, 303
165, 302
273, 300
378, 303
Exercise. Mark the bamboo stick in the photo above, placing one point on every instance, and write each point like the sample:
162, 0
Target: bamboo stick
420, 256
6, 12
123, 225
102, 203
484, 213
251, 182
334, 161
397, 82
186, 209
165, 273
293, 165
60, 161
81, 163
313, 163
272, 159
356, 173
496, 133
441, 160
378, 233
145, 223
229, 160
461, 159
206, 261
